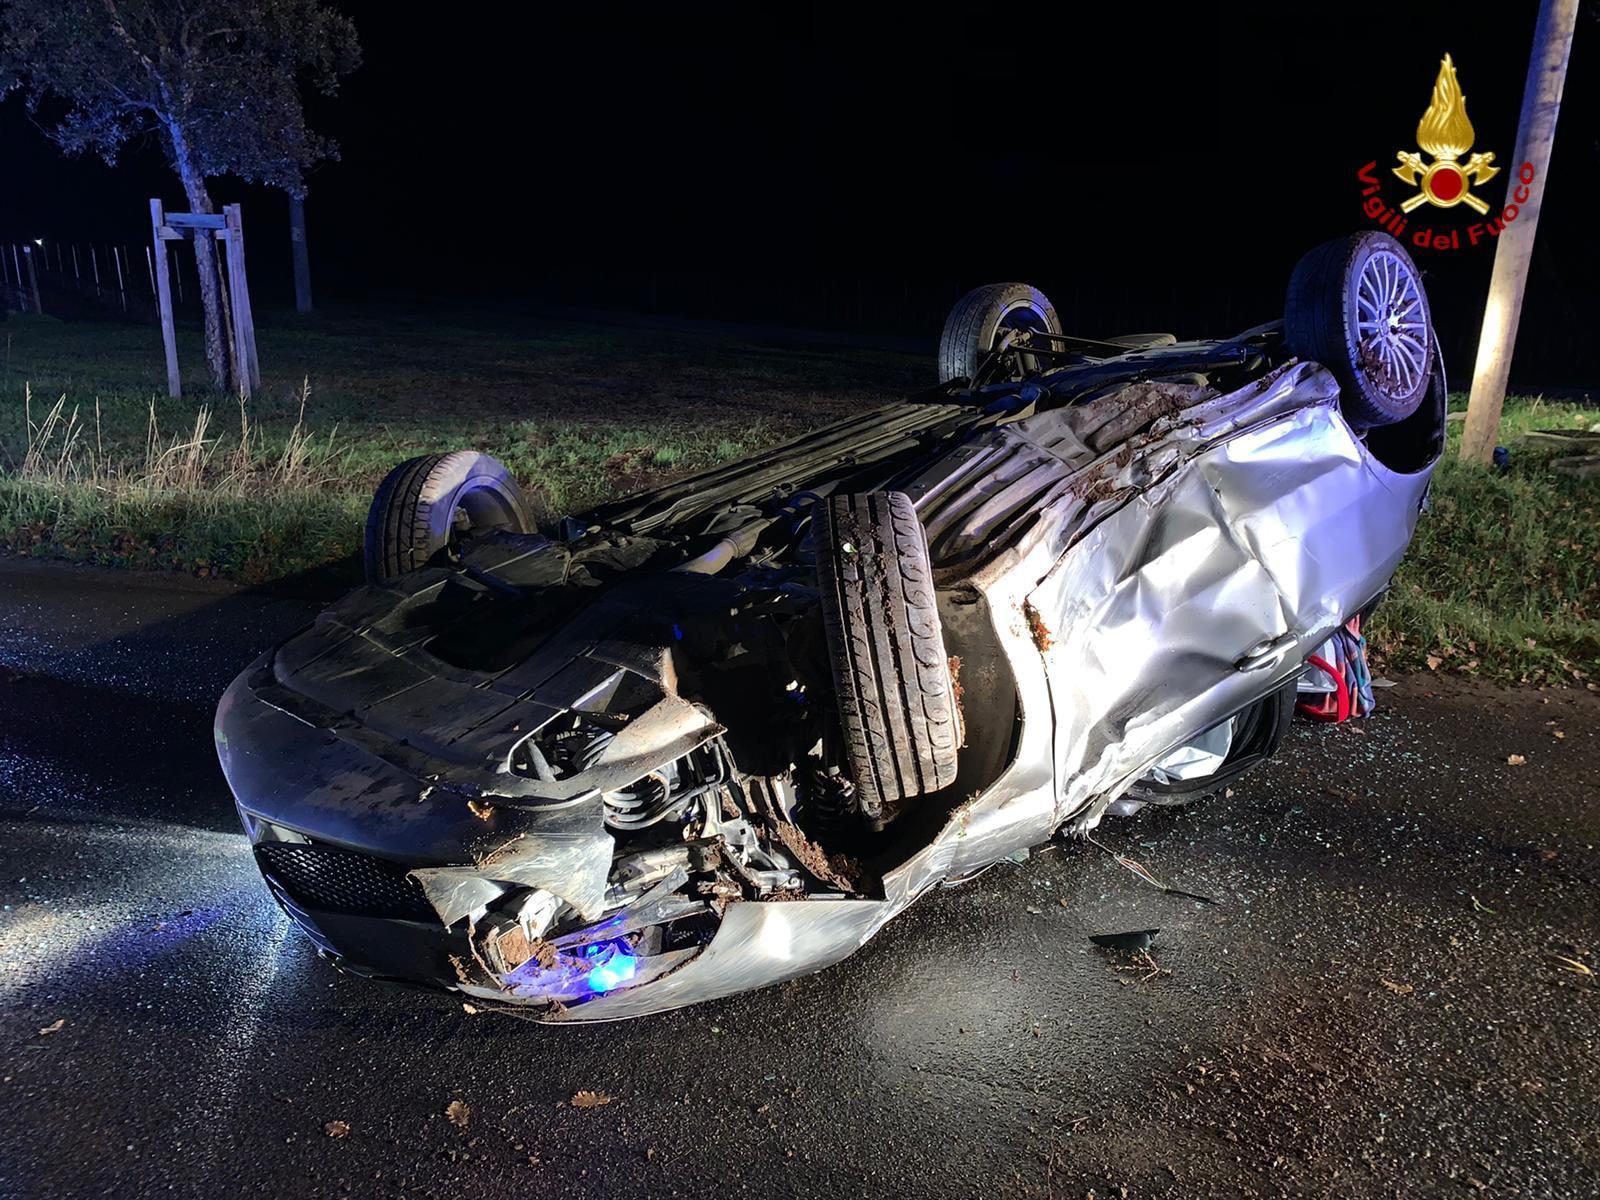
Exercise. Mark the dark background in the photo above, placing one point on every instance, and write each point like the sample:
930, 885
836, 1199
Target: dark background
857, 169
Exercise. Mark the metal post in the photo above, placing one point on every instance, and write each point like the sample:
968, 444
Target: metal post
1536, 131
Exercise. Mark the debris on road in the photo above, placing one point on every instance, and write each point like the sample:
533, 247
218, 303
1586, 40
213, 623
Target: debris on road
1144, 874
1142, 963
1133, 942
588, 1099
337, 1129
458, 1113
55, 1026
1574, 965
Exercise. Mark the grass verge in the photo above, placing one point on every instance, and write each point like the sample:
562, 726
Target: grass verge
1503, 576
91, 470
1501, 579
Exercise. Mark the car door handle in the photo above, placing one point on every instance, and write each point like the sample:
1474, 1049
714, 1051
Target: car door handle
1267, 654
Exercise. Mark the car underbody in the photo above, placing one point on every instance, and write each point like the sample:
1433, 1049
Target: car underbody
601, 774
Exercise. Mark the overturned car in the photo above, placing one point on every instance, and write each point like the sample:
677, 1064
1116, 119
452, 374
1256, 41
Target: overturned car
715, 735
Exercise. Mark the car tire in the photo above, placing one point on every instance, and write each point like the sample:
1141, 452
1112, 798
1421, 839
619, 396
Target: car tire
1357, 306
426, 503
896, 699
1260, 730
981, 317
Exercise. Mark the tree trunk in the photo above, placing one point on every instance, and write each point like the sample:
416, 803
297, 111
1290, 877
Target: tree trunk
205, 257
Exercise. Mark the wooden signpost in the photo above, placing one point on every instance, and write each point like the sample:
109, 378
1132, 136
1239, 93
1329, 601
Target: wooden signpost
227, 228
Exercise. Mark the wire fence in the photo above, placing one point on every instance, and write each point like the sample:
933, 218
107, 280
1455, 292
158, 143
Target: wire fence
77, 279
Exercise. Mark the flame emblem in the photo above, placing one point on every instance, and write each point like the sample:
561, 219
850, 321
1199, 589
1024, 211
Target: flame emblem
1445, 133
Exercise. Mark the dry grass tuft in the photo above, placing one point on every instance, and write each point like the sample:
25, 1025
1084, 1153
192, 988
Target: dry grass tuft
199, 462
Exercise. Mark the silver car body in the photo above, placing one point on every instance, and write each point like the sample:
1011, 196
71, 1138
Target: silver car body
1139, 597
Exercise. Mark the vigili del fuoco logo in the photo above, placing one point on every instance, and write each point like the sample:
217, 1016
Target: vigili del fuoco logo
1443, 135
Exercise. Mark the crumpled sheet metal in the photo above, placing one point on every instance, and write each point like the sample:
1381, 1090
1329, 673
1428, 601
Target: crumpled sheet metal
758, 943
668, 730
457, 892
1235, 536
1197, 757
1207, 590
1188, 581
566, 851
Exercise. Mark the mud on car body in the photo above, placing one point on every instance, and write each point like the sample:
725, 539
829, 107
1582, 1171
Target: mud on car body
715, 735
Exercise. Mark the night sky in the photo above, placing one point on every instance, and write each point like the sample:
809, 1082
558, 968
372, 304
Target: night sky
854, 169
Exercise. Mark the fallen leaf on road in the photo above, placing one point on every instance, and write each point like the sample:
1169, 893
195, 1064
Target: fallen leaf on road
1516, 760
337, 1129
1399, 989
459, 1113
55, 1027
588, 1099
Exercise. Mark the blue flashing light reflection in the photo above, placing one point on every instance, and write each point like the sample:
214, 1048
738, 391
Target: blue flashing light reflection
614, 964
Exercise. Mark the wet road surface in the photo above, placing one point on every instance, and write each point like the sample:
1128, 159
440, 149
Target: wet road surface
1374, 1008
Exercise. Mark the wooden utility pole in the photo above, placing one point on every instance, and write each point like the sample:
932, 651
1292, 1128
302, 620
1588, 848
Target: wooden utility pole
1536, 131
302, 255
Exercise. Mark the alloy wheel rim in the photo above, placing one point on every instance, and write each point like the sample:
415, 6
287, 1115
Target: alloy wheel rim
1391, 326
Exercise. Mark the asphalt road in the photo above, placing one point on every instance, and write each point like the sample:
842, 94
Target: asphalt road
1373, 1009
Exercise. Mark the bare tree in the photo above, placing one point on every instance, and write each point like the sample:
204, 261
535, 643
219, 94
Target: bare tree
217, 82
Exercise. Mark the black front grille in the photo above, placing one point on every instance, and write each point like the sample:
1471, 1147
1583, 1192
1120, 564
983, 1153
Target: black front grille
343, 881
